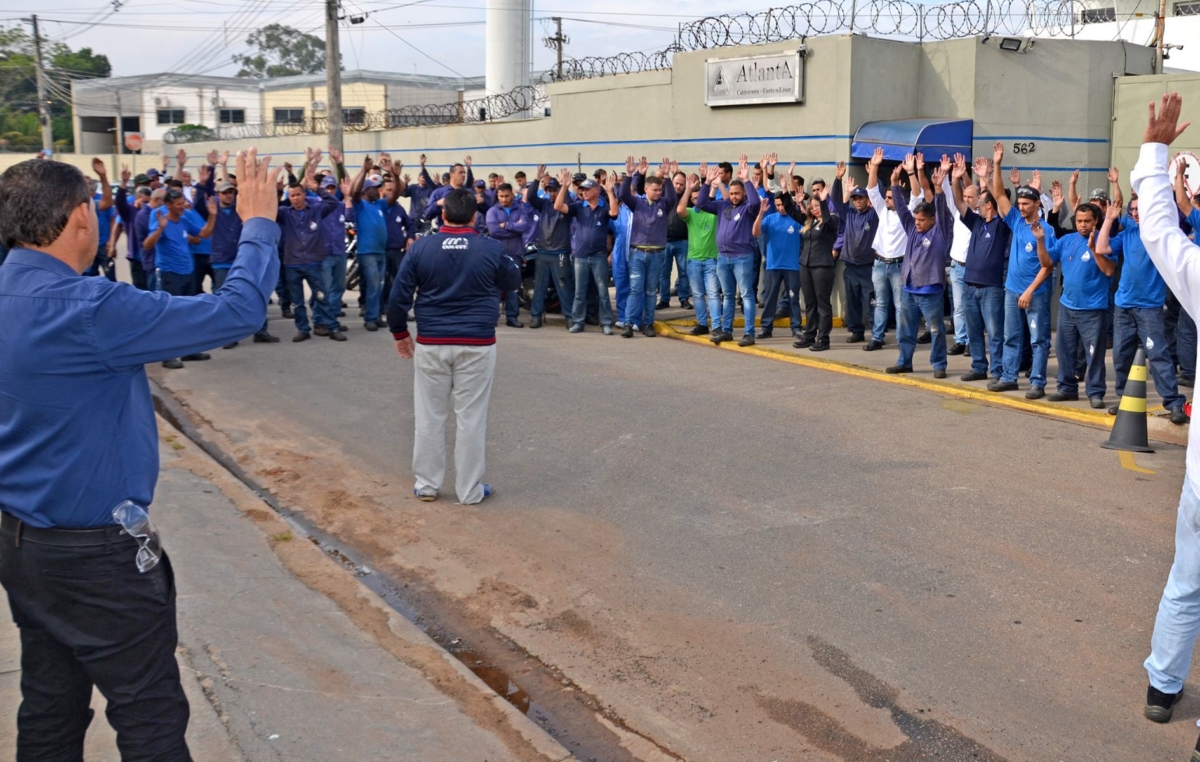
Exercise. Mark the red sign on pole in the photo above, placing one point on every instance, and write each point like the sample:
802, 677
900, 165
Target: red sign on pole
133, 141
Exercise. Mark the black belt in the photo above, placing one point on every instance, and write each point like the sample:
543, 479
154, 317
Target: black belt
23, 532
892, 261
640, 247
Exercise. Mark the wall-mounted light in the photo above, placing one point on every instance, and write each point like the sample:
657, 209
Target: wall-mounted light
1012, 44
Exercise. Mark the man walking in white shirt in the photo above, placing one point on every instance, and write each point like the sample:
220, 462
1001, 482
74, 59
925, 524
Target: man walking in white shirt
890, 243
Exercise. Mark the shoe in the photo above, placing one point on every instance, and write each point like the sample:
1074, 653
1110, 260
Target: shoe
303, 336
618, 324
1160, 706
925, 338
819, 346
230, 346
698, 330
197, 357
649, 332
767, 334
664, 304
342, 313
1002, 386
855, 338
381, 321
780, 314
746, 341
939, 372
1188, 381
1061, 397
424, 498
957, 349
576, 328
1113, 410
321, 330
487, 492
973, 376
1097, 402
173, 363
1178, 417
266, 338
685, 304
803, 343
625, 334
511, 323
797, 333
591, 320
872, 345
606, 330
287, 313
370, 325
337, 335
535, 322
895, 369
1035, 393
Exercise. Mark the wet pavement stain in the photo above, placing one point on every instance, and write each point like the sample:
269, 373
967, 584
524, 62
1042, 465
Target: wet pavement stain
927, 738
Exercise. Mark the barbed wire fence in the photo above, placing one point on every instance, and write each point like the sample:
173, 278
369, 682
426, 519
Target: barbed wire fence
900, 19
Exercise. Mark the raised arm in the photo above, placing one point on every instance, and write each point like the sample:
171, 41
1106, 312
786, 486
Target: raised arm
1114, 179
1073, 190
1003, 205
1182, 200
957, 173
902, 210
106, 196
564, 186
762, 212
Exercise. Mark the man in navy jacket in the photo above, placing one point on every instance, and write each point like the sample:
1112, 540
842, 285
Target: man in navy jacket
455, 275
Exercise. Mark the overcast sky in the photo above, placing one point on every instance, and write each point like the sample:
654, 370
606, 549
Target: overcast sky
444, 37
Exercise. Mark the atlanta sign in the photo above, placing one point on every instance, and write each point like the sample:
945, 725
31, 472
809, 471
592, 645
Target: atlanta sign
751, 80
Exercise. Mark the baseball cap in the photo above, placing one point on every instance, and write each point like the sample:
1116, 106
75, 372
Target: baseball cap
598, 173
141, 180
221, 188
328, 181
816, 180
371, 182
152, 173
551, 182
578, 177
480, 184
1099, 193
587, 184
858, 192
1028, 193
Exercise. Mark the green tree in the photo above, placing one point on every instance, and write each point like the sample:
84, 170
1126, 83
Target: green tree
281, 51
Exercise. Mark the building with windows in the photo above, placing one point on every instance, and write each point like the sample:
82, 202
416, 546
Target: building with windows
110, 110
1134, 21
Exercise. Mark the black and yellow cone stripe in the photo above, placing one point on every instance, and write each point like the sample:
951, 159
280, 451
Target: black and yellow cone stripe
1134, 399
1130, 432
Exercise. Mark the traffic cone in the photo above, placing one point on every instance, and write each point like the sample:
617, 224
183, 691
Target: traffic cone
1129, 431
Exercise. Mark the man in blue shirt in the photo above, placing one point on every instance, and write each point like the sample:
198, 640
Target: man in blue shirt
860, 222
1084, 304
304, 251
103, 197
553, 243
169, 236
1139, 313
371, 235
508, 222
589, 254
778, 222
1027, 286
77, 440
333, 268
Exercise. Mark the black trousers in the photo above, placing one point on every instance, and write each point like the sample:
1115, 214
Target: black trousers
137, 274
203, 269
816, 283
88, 618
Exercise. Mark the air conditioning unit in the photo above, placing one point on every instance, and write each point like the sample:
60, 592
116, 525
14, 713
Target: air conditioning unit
318, 105
215, 102
158, 101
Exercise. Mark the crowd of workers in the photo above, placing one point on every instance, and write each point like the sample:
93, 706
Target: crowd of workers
742, 238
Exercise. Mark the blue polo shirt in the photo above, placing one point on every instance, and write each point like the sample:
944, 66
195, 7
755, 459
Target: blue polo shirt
1023, 263
105, 218
1085, 287
783, 241
1141, 285
987, 256
590, 236
204, 246
371, 226
171, 252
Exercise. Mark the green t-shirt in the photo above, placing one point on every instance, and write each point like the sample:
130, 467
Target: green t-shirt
702, 234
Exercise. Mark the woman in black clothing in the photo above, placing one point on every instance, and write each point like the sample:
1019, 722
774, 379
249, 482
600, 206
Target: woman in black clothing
817, 266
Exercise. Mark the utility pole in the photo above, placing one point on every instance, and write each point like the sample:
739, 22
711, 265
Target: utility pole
43, 101
556, 43
1161, 32
333, 75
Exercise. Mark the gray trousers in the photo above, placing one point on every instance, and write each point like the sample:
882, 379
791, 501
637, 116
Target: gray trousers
443, 372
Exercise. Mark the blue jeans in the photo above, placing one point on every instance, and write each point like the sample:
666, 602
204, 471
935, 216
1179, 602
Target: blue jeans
958, 289
177, 284
1087, 328
296, 278
552, 266
333, 275
644, 269
1182, 331
983, 310
912, 307
737, 274
152, 280
676, 254
100, 264
620, 273
1139, 325
1037, 315
888, 283
591, 270
1178, 620
858, 280
702, 277
370, 269
219, 274
789, 282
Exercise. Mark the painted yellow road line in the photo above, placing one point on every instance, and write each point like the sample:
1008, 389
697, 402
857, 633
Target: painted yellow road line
1098, 418
1129, 463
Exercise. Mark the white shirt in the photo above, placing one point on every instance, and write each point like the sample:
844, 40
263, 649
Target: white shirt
962, 233
1177, 258
890, 239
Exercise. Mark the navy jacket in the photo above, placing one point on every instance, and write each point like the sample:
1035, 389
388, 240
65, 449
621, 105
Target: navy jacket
456, 275
553, 229
399, 227
928, 253
735, 224
303, 243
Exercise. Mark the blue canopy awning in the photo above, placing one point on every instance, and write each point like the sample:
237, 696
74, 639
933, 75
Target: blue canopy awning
898, 137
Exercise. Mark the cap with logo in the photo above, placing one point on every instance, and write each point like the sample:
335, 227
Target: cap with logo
587, 184
856, 191
153, 173
1029, 193
1099, 193
329, 181
371, 182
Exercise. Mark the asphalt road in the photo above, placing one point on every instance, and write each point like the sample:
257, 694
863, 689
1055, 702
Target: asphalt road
743, 559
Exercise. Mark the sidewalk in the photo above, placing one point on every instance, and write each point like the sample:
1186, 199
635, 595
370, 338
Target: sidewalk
275, 669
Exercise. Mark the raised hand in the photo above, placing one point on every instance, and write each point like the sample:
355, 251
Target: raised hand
335, 155
407, 180
347, 186
224, 159
1038, 231
1056, 192
945, 165
674, 167
714, 173
204, 174
791, 171
1074, 177
629, 165
896, 174
703, 169
540, 172
385, 161
181, 157
367, 164
212, 156
997, 153
1014, 176
125, 173
876, 158
467, 162
841, 169
212, 205
1114, 174
920, 161
910, 163
1164, 127
643, 166
774, 160
765, 206
743, 168
982, 168
257, 196
937, 177
1036, 181
564, 177
959, 169
99, 168
610, 179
